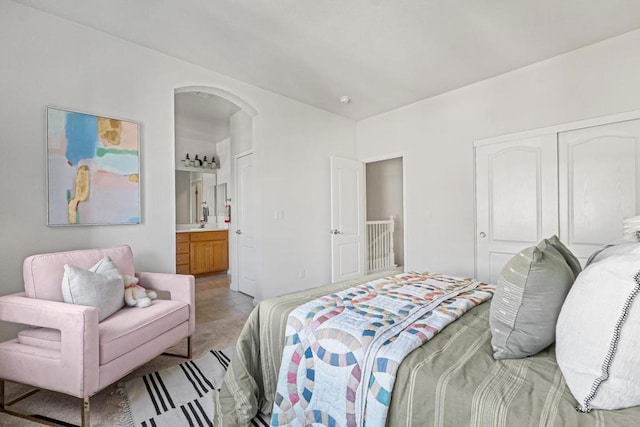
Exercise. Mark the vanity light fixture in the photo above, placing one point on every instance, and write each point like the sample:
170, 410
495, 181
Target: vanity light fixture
200, 163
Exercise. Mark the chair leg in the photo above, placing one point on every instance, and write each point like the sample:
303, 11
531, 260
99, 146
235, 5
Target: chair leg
85, 413
5, 407
189, 351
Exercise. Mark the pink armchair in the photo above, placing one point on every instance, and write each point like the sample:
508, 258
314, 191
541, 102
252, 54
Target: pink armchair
67, 350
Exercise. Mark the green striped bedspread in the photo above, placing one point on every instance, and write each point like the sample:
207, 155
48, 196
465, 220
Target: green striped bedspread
452, 380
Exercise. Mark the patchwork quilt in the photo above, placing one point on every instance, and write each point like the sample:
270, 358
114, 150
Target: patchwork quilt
450, 381
342, 350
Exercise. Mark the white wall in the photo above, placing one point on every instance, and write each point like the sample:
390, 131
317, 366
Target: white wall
436, 136
50, 61
223, 178
241, 132
295, 181
223, 173
384, 198
240, 141
192, 139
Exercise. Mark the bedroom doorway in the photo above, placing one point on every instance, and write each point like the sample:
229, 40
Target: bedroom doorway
384, 214
367, 216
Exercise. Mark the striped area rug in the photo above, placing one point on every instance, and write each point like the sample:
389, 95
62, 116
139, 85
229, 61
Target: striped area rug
180, 395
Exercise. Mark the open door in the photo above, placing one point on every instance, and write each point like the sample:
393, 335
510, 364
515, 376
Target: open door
347, 219
246, 219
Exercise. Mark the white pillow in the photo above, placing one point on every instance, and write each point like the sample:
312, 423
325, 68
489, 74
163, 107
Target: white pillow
106, 267
101, 286
617, 248
598, 335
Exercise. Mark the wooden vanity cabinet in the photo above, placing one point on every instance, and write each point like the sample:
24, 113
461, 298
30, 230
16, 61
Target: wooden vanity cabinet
182, 253
208, 252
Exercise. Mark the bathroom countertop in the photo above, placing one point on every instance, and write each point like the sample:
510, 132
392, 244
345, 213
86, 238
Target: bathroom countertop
196, 229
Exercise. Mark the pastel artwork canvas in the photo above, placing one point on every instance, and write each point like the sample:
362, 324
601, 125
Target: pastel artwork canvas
93, 169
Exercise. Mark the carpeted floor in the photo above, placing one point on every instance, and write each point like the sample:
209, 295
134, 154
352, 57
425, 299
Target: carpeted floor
105, 406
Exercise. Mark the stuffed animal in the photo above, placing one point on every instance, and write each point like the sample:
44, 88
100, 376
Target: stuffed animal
135, 295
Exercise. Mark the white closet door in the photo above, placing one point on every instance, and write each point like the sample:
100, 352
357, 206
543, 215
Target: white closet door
516, 200
598, 176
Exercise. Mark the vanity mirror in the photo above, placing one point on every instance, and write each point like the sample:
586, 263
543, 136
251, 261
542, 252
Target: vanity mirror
195, 198
221, 200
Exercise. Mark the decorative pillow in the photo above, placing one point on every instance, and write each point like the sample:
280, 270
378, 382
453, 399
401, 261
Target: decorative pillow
101, 286
529, 295
617, 248
569, 257
598, 335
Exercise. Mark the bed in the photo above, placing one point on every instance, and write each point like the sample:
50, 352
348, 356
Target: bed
452, 380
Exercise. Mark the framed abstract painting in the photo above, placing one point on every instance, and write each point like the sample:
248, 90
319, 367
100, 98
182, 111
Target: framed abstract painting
93, 169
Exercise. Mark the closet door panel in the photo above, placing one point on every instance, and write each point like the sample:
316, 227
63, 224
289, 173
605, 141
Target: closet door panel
598, 184
516, 200
497, 262
514, 196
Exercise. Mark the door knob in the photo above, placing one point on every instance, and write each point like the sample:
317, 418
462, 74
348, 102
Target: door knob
335, 231
483, 234
238, 231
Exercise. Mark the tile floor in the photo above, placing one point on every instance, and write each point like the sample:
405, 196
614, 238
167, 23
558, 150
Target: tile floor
214, 299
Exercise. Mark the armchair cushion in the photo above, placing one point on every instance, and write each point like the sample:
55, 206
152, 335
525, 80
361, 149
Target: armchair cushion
40, 337
131, 327
125, 330
101, 287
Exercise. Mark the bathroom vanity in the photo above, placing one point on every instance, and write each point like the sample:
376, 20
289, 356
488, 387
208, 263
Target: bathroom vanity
200, 201
202, 251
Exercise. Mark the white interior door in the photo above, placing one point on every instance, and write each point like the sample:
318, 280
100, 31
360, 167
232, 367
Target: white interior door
347, 219
246, 225
516, 200
599, 171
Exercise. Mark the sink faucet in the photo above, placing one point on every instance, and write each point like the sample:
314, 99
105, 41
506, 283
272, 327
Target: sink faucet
205, 214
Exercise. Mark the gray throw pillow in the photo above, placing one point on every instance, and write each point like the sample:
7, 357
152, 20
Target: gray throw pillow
101, 286
569, 257
529, 296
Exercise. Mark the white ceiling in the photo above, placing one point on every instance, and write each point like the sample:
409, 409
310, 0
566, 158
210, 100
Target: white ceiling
382, 53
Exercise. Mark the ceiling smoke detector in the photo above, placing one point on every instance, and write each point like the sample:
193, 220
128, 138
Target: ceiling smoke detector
345, 99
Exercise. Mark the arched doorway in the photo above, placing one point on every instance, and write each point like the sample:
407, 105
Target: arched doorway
214, 122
